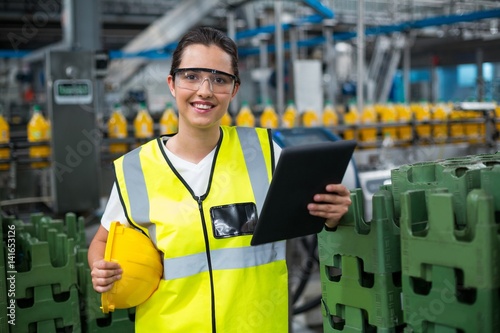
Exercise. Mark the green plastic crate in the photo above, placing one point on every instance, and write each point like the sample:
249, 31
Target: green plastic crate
48, 311
457, 178
360, 269
75, 228
475, 250
490, 182
51, 263
377, 242
354, 321
444, 306
377, 296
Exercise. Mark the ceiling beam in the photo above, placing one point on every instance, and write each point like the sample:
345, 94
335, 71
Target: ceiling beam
320, 8
165, 30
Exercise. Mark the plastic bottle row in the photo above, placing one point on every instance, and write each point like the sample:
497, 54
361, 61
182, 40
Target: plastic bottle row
38, 130
402, 122
143, 125
291, 117
245, 117
423, 120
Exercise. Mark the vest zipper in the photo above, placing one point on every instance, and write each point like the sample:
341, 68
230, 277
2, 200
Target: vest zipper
209, 261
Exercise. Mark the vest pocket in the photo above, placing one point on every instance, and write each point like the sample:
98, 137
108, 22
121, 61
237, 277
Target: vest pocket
234, 219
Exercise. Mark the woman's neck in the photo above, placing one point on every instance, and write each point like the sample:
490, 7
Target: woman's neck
193, 146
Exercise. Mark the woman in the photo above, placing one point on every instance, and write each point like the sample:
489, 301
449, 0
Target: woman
213, 281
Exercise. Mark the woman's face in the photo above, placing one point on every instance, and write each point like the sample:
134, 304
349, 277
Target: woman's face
202, 108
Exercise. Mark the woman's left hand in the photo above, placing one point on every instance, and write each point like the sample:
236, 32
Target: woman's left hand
332, 205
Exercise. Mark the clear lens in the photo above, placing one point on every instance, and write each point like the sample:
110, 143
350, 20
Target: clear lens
193, 78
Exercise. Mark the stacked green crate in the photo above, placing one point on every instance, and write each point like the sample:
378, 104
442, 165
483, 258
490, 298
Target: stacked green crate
453, 176
450, 244
449, 280
75, 228
46, 286
490, 182
360, 269
53, 284
121, 320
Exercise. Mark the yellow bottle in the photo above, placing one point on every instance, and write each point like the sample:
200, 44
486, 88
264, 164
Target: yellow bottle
497, 120
37, 132
310, 118
368, 133
269, 117
4, 140
405, 116
143, 123
423, 115
169, 121
226, 120
379, 111
472, 126
440, 127
457, 132
117, 129
330, 117
245, 116
389, 116
351, 119
289, 118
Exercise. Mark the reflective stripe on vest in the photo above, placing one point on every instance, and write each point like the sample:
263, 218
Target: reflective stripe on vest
137, 191
176, 268
255, 162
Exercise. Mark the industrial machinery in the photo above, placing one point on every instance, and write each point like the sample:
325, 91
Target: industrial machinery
75, 138
68, 178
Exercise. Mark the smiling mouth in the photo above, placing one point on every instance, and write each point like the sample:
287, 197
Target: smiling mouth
202, 106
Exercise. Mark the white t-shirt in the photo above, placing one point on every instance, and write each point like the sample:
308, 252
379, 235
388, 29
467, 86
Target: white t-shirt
196, 176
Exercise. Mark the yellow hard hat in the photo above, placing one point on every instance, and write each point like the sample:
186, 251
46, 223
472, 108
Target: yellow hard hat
141, 265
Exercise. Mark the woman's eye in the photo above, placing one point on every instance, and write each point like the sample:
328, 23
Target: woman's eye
191, 77
219, 80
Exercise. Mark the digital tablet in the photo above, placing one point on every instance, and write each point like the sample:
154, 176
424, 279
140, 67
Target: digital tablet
302, 171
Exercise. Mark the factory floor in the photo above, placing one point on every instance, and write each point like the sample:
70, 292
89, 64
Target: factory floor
301, 328
299, 325
312, 320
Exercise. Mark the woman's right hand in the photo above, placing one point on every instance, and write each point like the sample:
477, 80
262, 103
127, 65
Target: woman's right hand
104, 274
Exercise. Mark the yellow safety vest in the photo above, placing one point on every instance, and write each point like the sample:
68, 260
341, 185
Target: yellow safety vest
213, 280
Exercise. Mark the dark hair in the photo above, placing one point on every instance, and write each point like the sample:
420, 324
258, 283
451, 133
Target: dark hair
206, 36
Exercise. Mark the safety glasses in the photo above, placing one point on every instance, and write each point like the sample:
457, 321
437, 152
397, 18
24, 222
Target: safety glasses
192, 79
